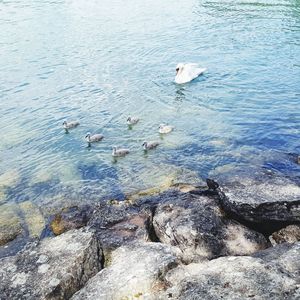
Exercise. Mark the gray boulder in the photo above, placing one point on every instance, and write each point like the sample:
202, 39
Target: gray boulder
137, 271
200, 229
54, 269
289, 234
270, 274
263, 199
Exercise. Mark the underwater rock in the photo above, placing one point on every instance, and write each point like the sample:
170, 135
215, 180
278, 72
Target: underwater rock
136, 271
289, 234
9, 178
54, 269
262, 200
269, 274
118, 224
10, 223
34, 219
70, 218
200, 229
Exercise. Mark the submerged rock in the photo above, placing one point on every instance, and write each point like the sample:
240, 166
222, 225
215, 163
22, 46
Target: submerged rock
289, 234
136, 272
33, 218
262, 200
54, 269
269, 274
200, 229
10, 223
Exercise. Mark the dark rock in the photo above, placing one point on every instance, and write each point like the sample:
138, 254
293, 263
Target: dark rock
200, 229
54, 269
289, 234
269, 274
70, 218
117, 224
136, 272
265, 200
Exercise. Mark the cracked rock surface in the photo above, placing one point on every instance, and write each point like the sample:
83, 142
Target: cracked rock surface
54, 269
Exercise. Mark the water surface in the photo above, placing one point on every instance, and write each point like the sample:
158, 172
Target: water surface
101, 61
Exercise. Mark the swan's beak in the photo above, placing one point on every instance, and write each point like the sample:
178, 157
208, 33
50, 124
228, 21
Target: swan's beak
177, 69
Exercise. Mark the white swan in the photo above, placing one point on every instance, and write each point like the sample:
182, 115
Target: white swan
187, 72
163, 128
93, 138
119, 152
150, 145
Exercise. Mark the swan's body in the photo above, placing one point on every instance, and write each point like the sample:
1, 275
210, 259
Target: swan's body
93, 138
119, 152
150, 145
163, 128
70, 125
132, 120
187, 72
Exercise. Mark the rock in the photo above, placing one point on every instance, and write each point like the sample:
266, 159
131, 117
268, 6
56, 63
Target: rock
298, 160
34, 219
70, 218
269, 274
200, 229
119, 224
10, 223
9, 178
54, 269
262, 200
136, 271
289, 234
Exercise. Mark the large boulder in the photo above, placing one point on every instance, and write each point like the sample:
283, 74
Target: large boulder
137, 270
200, 229
262, 199
269, 274
54, 269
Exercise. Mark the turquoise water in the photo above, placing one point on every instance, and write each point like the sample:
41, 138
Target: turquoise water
100, 61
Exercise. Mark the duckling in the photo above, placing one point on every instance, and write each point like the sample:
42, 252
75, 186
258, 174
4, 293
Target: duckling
119, 152
93, 138
150, 145
163, 128
132, 120
70, 125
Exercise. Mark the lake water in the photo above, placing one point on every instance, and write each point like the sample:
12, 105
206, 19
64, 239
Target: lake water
100, 61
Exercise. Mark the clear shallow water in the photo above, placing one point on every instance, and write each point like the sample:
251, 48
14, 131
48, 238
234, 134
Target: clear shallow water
101, 61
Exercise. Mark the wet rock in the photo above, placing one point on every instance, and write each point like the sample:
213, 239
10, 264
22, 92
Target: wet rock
289, 234
10, 223
70, 218
262, 200
136, 271
269, 274
200, 229
54, 269
117, 224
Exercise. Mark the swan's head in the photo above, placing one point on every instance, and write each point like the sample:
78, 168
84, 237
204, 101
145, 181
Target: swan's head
161, 126
87, 136
179, 68
129, 119
64, 123
145, 144
114, 148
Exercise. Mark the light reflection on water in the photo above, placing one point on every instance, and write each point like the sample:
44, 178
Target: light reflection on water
100, 62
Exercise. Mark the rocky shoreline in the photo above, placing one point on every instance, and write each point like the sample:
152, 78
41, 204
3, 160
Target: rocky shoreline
238, 240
